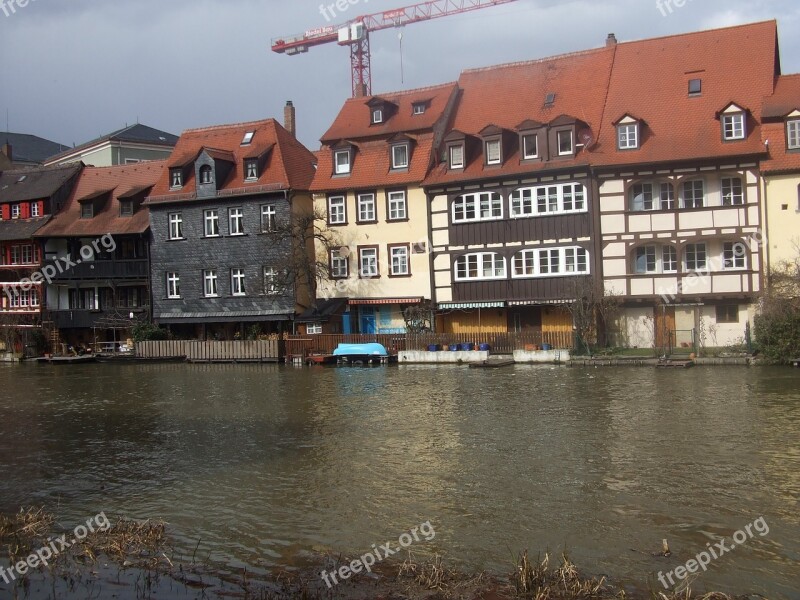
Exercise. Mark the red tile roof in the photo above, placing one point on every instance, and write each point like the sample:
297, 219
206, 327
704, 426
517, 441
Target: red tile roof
650, 79
777, 107
120, 182
355, 119
289, 165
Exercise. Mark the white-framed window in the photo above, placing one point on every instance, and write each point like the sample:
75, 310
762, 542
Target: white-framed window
176, 178
793, 134
655, 259
550, 262
576, 260
339, 265
419, 108
695, 257
366, 208
368, 262
211, 222
733, 126
16, 211
237, 282
530, 146
732, 191
482, 206
400, 156
314, 329
175, 226
173, 285
24, 299
734, 255
456, 153
35, 209
562, 198
398, 256
398, 208
248, 138
268, 218
236, 221
694, 194
210, 289
342, 162
22, 255
646, 260
206, 175
493, 155
480, 266
377, 116
337, 210
669, 259
565, 142
251, 170
271, 281
628, 136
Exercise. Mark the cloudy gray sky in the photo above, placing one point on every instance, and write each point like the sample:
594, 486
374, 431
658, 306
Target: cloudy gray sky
71, 70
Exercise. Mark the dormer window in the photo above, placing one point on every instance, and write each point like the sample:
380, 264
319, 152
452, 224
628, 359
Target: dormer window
251, 170
16, 211
206, 176
342, 161
566, 144
493, 152
400, 156
87, 210
125, 208
456, 156
176, 179
793, 134
420, 108
530, 146
628, 134
377, 116
248, 138
733, 124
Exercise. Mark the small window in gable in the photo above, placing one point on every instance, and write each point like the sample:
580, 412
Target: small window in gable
377, 116
456, 156
176, 179
628, 134
733, 124
248, 138
695, 87
530, 146
251, 170
793, 134
342, 162
493, 152
400, 156
206, 175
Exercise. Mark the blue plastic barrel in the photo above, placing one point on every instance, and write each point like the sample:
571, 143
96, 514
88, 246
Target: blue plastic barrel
453, 347
546, 347
466, 347
434, 348
485, 347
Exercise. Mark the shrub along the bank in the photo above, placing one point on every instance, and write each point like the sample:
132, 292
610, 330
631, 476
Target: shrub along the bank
778, 334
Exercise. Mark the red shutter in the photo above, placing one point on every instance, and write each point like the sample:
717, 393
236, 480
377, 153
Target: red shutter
25, 210
41, 207
6, 212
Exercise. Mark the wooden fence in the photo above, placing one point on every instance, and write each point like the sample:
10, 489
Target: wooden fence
304, 345
196, 351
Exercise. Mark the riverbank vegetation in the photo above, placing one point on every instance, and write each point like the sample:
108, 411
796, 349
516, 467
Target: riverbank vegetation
777, 327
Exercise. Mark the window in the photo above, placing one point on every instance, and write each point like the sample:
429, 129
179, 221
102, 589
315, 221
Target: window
733, 255
236, 221
628, 136
210, 284
205, 174
400, 156
399, 261
24, 299
377, 116
251, 170
727, 313
733, 126
695, 257
646, 259
419, 108
35, 209
457, 157
655, 259
211, 223
337, 210
398, 210
793, 133
642, 196
652, 196
565, 146
175, 226
669, 259
339, 265
694, 194
126, 208
268, 223
549, 262
237, 282
16, 210
483, 206
176, 177
576, 260
271, 281
366, 208
87, 210
548, 200
493, 152
248, 138
480, 266
22, 255
368, 262
173, 285
530, 146
732, 191
695, 87
342, 162
314, 329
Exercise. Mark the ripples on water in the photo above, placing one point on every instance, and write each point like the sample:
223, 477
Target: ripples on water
262, 464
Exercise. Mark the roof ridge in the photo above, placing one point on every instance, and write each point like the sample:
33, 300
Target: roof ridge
37, 169
228, 126
701, 32
129, 166
427, 88
536, 61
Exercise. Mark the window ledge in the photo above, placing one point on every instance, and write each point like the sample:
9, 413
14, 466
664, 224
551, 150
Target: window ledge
403, 220
180, 239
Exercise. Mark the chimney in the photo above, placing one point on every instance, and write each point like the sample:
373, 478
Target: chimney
611, 40
290, 118
7, 151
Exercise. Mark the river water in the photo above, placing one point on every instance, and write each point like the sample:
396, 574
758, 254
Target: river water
256, 466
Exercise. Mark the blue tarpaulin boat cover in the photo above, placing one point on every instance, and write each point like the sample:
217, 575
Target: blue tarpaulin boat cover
360, 350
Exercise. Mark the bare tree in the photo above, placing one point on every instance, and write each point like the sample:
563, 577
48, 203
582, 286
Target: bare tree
419, 318
592, 311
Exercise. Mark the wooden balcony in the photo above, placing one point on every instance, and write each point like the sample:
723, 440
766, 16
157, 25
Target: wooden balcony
99, 269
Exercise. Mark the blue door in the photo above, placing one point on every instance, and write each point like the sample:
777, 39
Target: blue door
367, 322
347, 327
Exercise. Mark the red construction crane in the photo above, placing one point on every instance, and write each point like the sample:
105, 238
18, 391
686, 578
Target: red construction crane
355, 33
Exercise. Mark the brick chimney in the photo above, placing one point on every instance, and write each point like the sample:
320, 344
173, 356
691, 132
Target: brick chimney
290, 118
7, 151
611, 40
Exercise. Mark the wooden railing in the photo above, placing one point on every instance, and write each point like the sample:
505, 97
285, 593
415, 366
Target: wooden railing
304, 345
195, 351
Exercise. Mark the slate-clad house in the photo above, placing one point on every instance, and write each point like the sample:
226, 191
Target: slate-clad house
130, 145
225, 194
104, 226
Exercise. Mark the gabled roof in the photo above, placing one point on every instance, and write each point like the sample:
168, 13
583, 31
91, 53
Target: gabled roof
290, 165
133, 134
26, 148
355, 119
35, 183
651, 78
120, 182
785, 100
